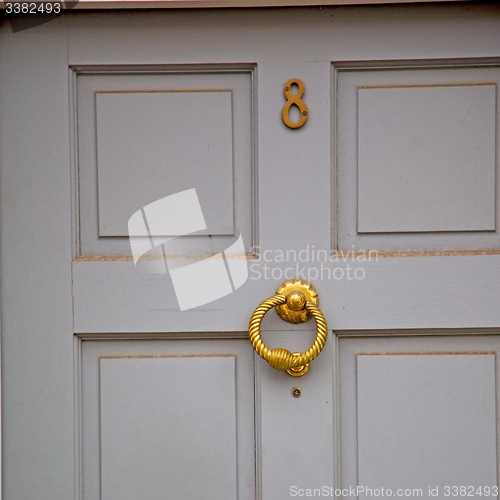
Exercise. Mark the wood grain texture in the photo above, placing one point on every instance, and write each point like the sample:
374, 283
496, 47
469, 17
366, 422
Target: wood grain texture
473, 360
168, 427
442, 407
184, 37
117, 311
418, 292
307, 461
154, 144
37, 352
156, 365
437, 159
382, 166
175, 140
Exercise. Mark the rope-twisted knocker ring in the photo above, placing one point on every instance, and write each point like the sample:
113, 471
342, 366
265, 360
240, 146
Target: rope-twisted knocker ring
295, 301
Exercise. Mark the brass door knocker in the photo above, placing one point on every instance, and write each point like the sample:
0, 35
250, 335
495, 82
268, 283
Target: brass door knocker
295, 301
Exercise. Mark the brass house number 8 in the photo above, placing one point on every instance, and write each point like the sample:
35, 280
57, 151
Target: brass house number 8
294, 99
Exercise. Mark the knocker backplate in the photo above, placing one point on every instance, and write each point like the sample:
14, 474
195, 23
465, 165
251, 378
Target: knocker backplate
296, 285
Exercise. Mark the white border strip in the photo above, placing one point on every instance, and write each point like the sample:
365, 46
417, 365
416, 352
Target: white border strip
176, 4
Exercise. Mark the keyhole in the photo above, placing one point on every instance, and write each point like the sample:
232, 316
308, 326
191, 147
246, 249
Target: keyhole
296, 392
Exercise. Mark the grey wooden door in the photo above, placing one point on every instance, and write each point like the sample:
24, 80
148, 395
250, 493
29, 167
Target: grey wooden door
121, 383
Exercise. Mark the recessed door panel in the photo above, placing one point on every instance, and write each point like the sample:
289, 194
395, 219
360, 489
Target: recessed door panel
167, 419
